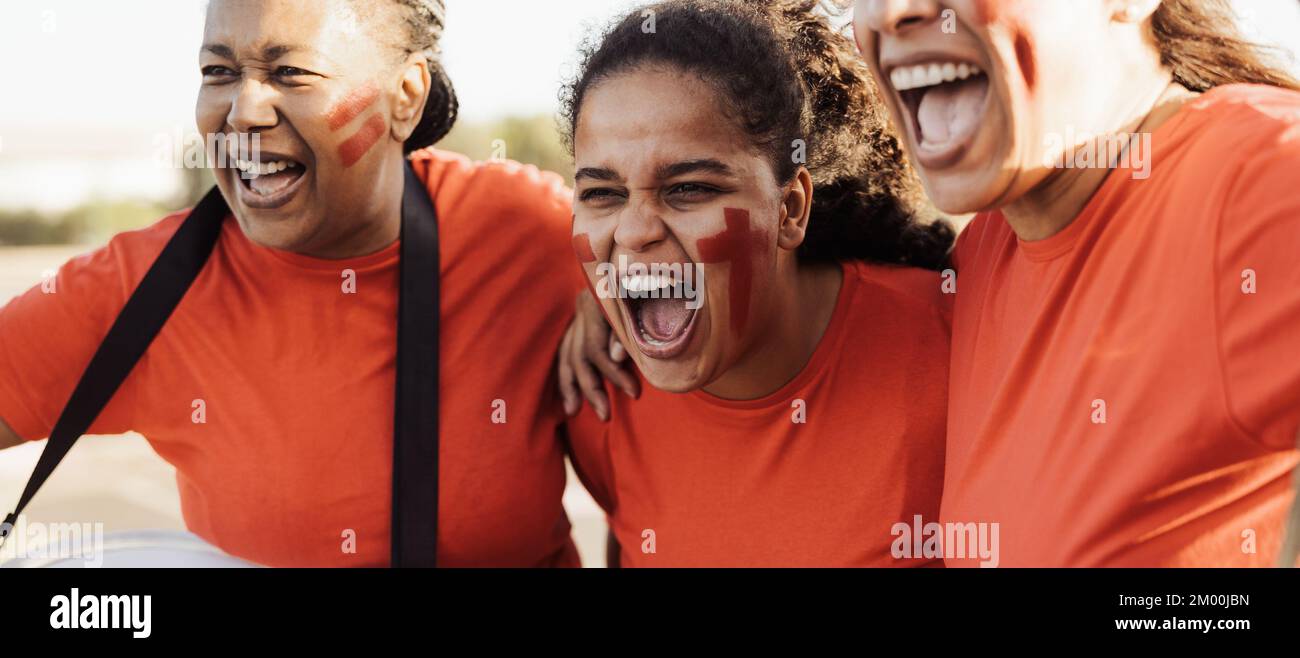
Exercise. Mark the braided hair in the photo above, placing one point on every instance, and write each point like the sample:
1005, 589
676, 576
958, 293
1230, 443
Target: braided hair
422, 23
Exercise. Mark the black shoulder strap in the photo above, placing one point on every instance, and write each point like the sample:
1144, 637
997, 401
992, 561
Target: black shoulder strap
415, 433
415, 428
136, 326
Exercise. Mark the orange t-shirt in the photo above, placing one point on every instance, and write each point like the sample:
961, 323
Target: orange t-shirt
712, 482
1127, 391
296, 378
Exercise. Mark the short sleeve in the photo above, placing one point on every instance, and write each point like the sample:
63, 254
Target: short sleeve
1258, 297
49, 334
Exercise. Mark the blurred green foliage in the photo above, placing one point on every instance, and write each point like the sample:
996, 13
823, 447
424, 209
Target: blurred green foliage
531, 140
91, 223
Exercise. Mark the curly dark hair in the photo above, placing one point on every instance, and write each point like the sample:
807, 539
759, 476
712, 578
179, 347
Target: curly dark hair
787, 75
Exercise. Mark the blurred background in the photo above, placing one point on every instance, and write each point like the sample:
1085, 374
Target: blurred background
100, 95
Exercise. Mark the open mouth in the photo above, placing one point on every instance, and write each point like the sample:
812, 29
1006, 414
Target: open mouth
269, 182
945, 103
659, 314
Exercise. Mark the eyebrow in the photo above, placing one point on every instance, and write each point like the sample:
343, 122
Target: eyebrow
693, 166
672, 170
269, 53
596, 173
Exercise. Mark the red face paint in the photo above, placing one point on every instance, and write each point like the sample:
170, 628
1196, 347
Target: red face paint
359, 144
988, 12
1003, 12
1025, 56
737, 246
582, 248
352, 106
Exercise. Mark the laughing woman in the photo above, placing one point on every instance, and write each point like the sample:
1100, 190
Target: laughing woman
271, 387
1125, 389
795, 408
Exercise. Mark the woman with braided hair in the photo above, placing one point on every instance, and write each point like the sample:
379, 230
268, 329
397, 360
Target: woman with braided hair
271, 387
763, 264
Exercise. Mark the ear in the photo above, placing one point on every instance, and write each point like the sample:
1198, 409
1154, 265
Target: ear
796, 208
412, 94
1133, 11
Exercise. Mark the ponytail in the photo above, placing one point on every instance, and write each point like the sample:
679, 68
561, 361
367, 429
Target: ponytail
440, 111
1200, 41
422, 23
796, 87
865, 194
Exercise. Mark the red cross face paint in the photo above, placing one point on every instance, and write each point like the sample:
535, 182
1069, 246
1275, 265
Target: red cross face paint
582, 249
346, 112
739, 247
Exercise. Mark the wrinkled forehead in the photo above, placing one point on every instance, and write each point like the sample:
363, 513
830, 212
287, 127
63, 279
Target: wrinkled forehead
641, 124
253, 28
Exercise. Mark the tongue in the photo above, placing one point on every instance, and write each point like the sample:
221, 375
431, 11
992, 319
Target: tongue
950, 111
272, 183
664, 319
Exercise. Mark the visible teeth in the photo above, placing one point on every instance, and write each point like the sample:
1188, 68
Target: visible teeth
931, 74
646, 283
934, 75
264, 168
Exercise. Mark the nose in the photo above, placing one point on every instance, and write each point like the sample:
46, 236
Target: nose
253, 109
893, 16
640, 228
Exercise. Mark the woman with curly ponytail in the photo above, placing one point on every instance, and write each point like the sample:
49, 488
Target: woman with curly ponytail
748, 227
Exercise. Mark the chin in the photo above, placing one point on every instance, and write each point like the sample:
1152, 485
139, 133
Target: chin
958, 192
281, 236
675, 376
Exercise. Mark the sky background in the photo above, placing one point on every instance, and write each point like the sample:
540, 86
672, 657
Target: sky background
91, 85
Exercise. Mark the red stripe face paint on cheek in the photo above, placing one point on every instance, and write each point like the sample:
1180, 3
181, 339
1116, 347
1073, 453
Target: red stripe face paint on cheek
988, 12
1007, 13
582, 248
1025, 57
352, 106
737, 246
352, 150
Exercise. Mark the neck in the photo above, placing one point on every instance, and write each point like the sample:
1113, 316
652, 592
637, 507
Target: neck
1054, 203
802, 312
378, 227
